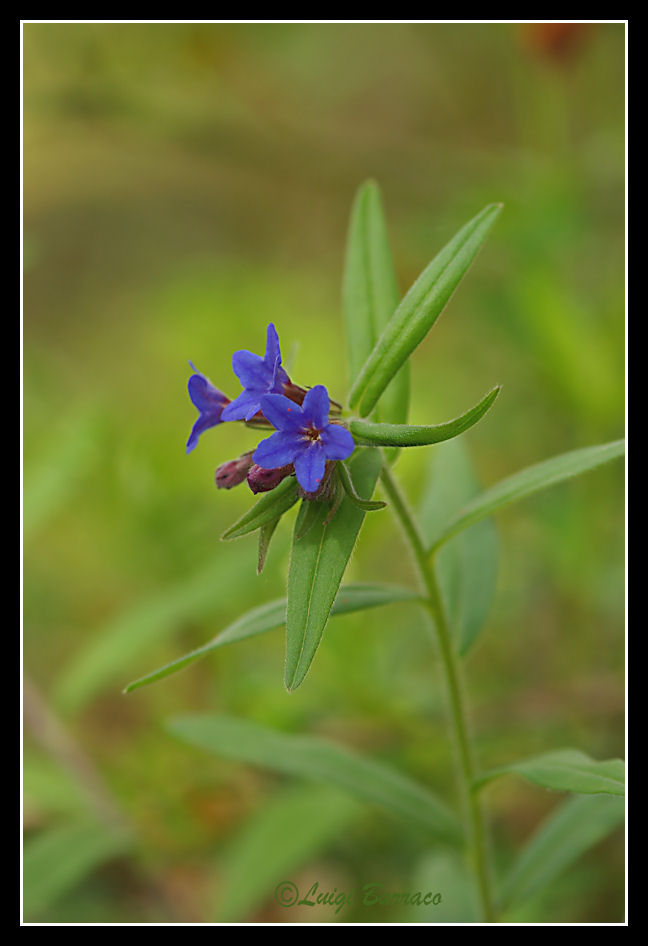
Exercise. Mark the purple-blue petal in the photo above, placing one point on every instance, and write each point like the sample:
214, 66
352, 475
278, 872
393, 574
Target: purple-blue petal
316, 406
210, 403
279, 378
203, 423
273, 350
244, 406
310, 465
282, 413
280, 449
204, 395
338, 442
251, 370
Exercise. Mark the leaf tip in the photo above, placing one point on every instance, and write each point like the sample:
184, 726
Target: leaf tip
370, 183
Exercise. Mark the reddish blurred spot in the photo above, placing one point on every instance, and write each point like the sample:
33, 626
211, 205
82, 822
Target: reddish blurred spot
557, 41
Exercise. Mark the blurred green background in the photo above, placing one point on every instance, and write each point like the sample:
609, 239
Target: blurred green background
185, 184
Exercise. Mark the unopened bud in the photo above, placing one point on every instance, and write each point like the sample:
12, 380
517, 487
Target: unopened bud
262, 481
297, 394
294, 392
233, 472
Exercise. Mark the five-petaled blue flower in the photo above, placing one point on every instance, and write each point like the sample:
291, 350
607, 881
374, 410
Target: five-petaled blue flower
210, 403
258, 376
304, 437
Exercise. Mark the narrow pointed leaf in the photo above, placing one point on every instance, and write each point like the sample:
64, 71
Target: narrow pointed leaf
349, 489
310, 512
371, 295
269, 616
571, 830
528, 481
467, 564
317, 565
409, 435
565, 770
314, 758
269, 507
419, 310
265, 535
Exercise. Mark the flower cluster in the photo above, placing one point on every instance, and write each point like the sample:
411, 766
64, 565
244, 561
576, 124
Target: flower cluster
306, 442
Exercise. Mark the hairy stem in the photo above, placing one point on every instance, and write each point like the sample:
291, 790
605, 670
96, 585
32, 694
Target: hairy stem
466, 764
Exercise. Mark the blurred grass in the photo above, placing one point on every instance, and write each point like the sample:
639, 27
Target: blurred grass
185, 184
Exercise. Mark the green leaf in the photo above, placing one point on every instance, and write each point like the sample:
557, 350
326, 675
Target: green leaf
407, 435
265, 535
419, 310
315, 758
269, 507
269, 616
467, 564
528, 481
565, 770
367, 504
358, 597
573, 828
310, 512
317, 565
56, 860
371, 295
286, 834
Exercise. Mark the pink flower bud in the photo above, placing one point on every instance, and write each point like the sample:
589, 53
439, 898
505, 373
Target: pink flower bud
261, 480
233, 472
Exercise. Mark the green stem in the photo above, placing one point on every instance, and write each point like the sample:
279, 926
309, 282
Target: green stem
466, 768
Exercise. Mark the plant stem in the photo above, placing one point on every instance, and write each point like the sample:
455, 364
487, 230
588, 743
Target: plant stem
466, 768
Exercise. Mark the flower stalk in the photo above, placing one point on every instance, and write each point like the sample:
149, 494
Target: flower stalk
466, 768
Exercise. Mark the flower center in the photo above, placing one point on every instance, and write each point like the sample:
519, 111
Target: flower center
312, 433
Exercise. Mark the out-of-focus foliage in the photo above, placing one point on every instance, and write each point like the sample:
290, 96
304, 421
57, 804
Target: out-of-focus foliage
184, 185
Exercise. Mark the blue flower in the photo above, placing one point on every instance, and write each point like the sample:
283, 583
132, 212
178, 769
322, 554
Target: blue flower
304, 437
210, 403
258, 376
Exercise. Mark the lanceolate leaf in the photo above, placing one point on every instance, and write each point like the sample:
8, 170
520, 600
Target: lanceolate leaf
576, 825
310, 513
565, 770
315, 758
269, 507
407, 435
371, 295
269, 616
349, 489
265, 535
526, 482
317, 565
419, 310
